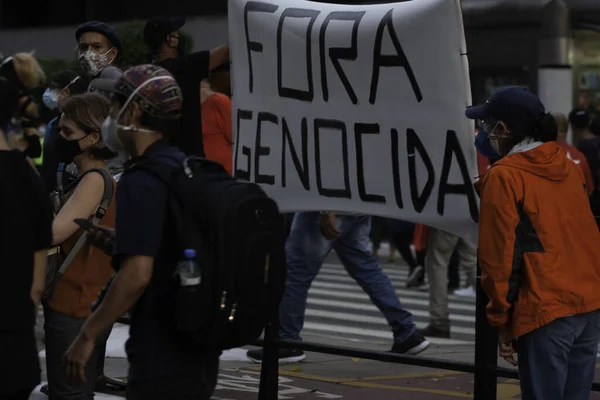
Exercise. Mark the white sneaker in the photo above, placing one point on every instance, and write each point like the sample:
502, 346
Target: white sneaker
466, 292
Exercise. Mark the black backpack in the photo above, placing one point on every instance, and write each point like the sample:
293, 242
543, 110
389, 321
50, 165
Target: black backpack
239, 238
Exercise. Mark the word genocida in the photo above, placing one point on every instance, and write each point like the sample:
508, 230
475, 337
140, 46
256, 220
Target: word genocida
421, 183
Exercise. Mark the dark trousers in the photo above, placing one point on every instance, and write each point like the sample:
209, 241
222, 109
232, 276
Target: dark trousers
61, 330
402, 242
558, 360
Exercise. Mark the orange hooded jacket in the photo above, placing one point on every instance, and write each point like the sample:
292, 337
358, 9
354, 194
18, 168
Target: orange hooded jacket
539, 245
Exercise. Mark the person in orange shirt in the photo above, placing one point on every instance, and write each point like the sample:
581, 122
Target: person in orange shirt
216, 126
538, 250
562, 124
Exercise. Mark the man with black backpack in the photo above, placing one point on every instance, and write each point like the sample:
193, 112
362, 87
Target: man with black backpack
192, 293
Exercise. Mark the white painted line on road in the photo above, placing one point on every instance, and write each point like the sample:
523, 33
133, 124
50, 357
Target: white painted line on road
338, 316
344, 277
315, 326
349, 292
374, 309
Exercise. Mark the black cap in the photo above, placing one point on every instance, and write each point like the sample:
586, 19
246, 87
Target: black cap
103, 28
157, 29
515, 105
579, 118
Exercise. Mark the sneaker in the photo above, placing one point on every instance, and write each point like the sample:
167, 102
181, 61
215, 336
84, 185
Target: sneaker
286, 356
412, 346
433, 331
416, 277
466, 292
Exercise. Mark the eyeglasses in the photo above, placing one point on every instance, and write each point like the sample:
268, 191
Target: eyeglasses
488, 125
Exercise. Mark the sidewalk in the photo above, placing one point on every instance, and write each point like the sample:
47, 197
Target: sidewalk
323, 376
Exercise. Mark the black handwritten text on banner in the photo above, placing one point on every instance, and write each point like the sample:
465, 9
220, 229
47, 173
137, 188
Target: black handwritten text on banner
355, 108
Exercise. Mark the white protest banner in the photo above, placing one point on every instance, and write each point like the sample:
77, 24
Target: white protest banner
356, 108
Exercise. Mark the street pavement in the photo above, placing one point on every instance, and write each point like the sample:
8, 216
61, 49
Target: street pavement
340, 313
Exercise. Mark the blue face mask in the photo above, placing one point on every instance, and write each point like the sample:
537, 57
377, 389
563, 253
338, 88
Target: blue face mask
482, 143
50, 98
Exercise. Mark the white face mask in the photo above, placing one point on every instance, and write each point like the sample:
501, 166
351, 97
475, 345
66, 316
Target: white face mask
92, 63
110, 126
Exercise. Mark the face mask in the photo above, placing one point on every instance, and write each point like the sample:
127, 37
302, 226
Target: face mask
92, 63
66, 150
110, 136
50, 98
111, 126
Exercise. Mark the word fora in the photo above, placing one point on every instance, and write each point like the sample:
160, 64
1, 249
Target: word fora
335, 53
300, 159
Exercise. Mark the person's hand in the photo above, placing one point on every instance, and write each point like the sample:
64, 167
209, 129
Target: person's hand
103, 238
77, 357
506, 349
328, 226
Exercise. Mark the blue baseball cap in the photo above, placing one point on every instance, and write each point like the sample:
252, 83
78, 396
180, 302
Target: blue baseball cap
515, 105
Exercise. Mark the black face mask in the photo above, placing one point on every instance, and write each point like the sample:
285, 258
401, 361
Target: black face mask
66, 150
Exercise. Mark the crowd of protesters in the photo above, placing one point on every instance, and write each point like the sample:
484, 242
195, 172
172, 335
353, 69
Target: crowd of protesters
538, 192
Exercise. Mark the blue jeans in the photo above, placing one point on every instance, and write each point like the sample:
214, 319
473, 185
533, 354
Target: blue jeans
558, 360
306, 249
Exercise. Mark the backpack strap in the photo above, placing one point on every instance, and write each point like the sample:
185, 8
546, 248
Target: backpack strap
166, 174
109, 189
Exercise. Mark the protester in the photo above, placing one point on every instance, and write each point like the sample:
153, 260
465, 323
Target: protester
161, 365
311, 239
578, 158
538, 250
23, 71
401, 238
579, 119
168, 48
440, 247
56, 89
216, 126
98, 46
72, 292
26, 232
378, 234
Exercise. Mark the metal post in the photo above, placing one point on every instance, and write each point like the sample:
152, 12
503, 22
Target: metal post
269, 373
486, 345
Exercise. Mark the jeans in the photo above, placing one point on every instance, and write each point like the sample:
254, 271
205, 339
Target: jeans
558, 360
306, 249
440, 247
60, 331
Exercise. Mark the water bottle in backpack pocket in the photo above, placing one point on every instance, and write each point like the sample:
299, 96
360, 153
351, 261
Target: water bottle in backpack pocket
188, 278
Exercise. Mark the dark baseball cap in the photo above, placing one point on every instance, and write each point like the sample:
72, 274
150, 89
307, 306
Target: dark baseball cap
103, 28
515, 105
157, 29
579, 118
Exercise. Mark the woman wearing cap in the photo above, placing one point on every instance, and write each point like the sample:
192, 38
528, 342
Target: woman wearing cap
538, 250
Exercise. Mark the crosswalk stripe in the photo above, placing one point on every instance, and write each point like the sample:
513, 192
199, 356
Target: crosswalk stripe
316, 326
370, 307
406, 292
345, 292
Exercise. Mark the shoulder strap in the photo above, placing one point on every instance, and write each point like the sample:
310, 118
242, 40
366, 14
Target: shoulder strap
109, 189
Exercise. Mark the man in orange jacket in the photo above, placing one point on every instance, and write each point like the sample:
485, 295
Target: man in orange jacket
538, 250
